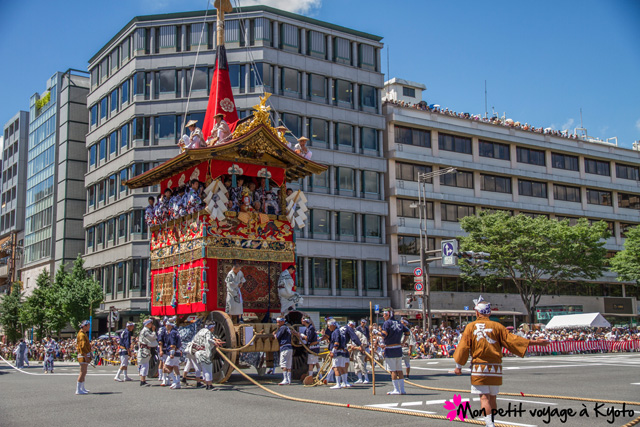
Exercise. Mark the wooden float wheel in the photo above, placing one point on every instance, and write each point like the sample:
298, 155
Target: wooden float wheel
224, 331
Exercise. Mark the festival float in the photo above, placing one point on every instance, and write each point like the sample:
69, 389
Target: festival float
195, 245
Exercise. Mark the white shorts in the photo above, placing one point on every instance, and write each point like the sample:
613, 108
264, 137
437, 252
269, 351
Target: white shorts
312, 359
339, 362
172, 362
392, 364
164, 357
493, 390
286, 358
143, 369
124, 361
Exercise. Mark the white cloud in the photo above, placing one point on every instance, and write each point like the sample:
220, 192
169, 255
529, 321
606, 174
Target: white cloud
295, 6
567, 124
638, 124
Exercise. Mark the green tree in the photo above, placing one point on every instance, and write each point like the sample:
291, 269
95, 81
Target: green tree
56, 317
535, 253
627, 262
10, 307
82, 294
34, 309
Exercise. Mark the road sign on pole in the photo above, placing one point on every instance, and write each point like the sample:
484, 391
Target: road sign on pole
376, 308
449, 250
418, 279
417, 272
418, 286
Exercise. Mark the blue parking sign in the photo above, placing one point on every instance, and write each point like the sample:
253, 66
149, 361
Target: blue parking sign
376, 308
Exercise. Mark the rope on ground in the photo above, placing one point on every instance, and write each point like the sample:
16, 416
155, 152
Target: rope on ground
347, 405
247, 345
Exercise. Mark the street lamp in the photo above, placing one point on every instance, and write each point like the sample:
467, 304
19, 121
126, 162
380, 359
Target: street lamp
424, 244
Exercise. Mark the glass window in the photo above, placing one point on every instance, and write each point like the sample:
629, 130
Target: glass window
598, 197
566, 193
409, 172
530, 156
597, 167
111, 230
94, 115
317, 44
319, 131
200, 79
122, 226
494, 150
113, 143
368, 97
459, 178
166, 81
140, 129
100, 234
346, 222
262, 75
344, 135
320, 222
372, 274
405, 208
370, 182
138, 224
320, 180
125, 92
103, 149
123, 179
345, 179
408, 91
293, 122
371, 226
90, 237
458, 144
101, 192
141, 84
629, 201
108, 279
91, 196
320, 273
120, 276
290, 81
114, 100
341, 51
564, 161
498, 184
317, 87
124, 136
289, 38
166, 128
92, 155
369, 139
103, 108
408, 245
410, 136
453, 213
532, 188
627, 172
112, 185
347, 273
343, 92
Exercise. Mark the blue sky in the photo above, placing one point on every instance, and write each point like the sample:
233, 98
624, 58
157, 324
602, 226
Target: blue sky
542, 60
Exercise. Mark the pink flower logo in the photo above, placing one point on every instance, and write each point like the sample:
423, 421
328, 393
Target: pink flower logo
452, 407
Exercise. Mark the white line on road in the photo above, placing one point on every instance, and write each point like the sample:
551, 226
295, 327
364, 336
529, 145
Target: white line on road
411, 403
59, 375
515, 424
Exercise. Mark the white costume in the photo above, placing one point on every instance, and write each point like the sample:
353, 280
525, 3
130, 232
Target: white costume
306, 155
360, 358
288, 297
222, 131
234, 296
199, 351
146, 340
194, 140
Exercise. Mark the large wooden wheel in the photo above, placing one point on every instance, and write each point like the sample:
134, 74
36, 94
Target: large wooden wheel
299, 365
224, 331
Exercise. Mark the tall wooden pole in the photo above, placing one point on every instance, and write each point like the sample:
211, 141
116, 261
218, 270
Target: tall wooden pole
372, 350
222, 6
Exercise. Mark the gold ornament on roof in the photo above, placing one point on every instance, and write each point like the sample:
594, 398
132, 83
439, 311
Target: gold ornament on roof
261, 116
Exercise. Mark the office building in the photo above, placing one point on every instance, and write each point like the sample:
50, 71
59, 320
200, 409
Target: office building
326, 84
55, 196
500, 167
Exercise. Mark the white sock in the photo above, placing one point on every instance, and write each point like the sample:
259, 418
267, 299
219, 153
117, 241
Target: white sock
78, 388
311, 373
345, 378
366, 377
401, 384
119, 373
488, 421
395, 385
126, 374
337, 379
288, 376
284, 376
359, 376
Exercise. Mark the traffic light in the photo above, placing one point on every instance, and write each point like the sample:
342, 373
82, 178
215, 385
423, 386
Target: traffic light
474, 258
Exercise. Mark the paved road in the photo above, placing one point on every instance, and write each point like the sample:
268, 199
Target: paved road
30, 398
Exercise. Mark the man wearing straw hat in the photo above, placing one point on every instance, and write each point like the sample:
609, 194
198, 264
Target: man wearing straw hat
484, 340
220, 132
195, 138
302, 149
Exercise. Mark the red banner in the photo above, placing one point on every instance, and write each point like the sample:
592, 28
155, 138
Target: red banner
221, 96
198, 172
221, 167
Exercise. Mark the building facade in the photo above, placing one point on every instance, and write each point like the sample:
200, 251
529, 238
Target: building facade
326, 85
500, 168
12, 192
55, 196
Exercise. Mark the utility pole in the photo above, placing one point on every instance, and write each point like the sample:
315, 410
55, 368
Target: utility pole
424, 242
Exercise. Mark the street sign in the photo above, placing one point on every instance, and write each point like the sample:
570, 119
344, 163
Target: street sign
417, 272
449, 249
418, 286
418, 279
376, 308
466, 307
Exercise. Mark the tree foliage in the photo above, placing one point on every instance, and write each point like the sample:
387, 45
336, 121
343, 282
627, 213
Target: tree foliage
535, 253
627, 262
34, 310
82, 294
10, 307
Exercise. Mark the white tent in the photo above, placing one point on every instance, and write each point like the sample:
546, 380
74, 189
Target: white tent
584, 320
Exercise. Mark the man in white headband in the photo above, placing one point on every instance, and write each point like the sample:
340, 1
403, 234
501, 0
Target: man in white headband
484, 339
395, 336
147, 340
125, 351
283, 335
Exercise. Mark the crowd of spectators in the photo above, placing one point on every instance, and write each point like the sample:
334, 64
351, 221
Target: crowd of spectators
494, 119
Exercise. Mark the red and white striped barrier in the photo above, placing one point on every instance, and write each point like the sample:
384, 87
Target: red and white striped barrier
575, 346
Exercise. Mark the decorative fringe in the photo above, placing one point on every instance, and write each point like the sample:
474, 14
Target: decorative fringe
266, 180
234, 182
174, 300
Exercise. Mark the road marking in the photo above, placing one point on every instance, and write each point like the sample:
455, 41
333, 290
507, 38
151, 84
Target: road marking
528, 401
43, 374
411, 403
432, 363
635, 383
